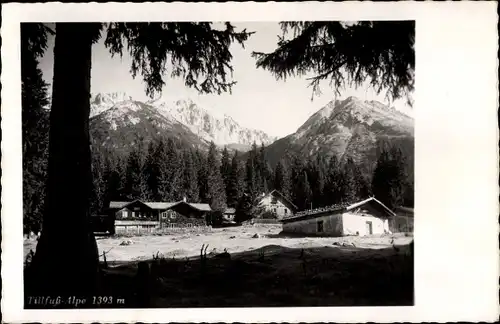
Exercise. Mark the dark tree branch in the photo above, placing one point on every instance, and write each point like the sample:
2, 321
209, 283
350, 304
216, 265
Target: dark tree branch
194, 51
379, 52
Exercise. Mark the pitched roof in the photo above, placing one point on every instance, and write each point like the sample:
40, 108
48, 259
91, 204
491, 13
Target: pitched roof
277, 193
158, 205
387, 209
118, 204
152, 205
317, 211
123, 204
202, 207
336, 208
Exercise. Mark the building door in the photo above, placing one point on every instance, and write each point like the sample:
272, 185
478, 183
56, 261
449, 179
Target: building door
369, 228
320, 226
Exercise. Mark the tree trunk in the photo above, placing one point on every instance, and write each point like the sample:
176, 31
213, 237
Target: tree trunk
66, 261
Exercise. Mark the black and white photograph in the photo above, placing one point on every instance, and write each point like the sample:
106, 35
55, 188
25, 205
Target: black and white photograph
218, 164
243, 192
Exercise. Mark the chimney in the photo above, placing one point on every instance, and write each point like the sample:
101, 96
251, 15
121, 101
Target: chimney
184, 199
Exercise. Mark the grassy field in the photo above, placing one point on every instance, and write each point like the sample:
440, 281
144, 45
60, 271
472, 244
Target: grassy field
261, 268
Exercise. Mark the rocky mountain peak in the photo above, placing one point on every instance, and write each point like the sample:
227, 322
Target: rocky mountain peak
101, 102
348, 128
113, 97
208, 124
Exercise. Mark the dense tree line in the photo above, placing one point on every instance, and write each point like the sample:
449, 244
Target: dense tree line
168, 171
392, 180
35, 121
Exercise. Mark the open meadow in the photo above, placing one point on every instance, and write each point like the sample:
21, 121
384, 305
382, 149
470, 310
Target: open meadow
261, 268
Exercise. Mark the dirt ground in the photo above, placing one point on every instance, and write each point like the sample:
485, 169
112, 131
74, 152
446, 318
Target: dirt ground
186, 243
263, 269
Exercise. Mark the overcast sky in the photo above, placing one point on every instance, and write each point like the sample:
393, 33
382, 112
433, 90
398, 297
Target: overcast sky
258, 100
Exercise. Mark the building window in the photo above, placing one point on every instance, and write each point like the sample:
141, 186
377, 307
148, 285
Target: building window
274, 200
286, 211
274, 210
320, 226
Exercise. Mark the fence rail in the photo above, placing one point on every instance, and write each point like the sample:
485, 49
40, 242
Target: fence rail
265, 221
180, 226
156, 228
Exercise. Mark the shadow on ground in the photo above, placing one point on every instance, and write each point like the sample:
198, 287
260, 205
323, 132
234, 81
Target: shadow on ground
270, 276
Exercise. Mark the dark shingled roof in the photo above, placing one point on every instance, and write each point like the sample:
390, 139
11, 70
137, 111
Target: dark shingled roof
318, 211
159, 205
336, 208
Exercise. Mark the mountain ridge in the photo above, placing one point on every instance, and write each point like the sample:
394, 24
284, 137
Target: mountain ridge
349, 128
222, 129
131, 124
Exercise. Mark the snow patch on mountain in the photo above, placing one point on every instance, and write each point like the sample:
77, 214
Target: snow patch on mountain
134, 120
119, 109
210, 125
127, 105
101, 102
